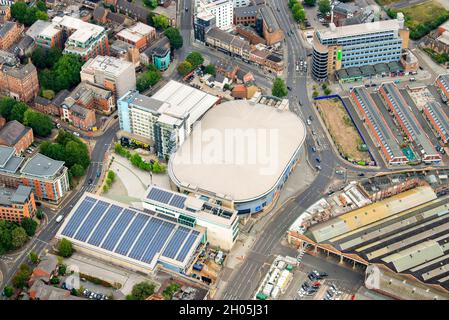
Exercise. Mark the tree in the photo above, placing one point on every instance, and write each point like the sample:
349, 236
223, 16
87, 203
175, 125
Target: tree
40, 15
141, 291
77, 170
6, 105
8, 291
39, 122
29, 225
34, 258
148, 79
175, 38
41, 6
157, 167
5, 236
310, 3
48, 94
160, 22
18, 111
19, 11
18, 237
324, 6
111, 175
38, 57
291, 3
210, 69
152, 4
195, 59
64, 74
21, 277
298, 13
185, 68
65, 248
39, 214
279, 89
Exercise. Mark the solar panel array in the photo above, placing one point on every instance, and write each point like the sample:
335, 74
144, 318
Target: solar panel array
167, 197
377, 121
128, 232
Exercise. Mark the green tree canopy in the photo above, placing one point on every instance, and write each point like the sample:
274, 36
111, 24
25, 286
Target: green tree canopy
34, 258
279, 89
148, 79
175, 38
6, 105
65, 248
324, 6
8, 291
21, 277
141, 291
29, 225
27, 15
18, 111
185, 68
160, 22
65, 73
310, 2
210, 69
195, 59
18, 237
152, 4
39, 122
77, 170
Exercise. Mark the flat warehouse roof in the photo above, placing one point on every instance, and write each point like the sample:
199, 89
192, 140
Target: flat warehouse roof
141, 238
235, 145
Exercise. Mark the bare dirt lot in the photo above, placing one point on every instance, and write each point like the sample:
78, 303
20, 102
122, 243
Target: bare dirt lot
342, 130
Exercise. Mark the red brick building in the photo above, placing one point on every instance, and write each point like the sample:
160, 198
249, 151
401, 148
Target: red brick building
20, 83
17, 204
5, 13
48, 178
10, 32
16, 135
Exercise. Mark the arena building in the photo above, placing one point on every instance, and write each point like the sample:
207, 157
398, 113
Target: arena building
239, 155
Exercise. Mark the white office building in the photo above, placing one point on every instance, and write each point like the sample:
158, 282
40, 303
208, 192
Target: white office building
167, 117
223, 10
221, 224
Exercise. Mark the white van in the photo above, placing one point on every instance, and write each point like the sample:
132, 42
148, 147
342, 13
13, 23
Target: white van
59, 218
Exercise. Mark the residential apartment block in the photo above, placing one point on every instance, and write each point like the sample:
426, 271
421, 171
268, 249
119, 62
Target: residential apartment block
17, 204
20, 82
139, 35
167, 117
82, 38
10, 33
110, 73
48, 178
223, 10
5, 13
357, 45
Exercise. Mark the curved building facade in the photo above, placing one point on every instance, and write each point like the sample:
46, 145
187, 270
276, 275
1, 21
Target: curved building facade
240, 155
319, 61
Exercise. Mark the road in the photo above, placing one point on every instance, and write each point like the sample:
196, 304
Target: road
41, 240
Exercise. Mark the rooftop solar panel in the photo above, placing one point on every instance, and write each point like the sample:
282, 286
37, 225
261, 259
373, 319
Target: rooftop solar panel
178, 201
117, 230
90, 222
131, 234
79, 215
127, 232
158, 241
186, 247
176, 242
145, 239
159, 195
105, 224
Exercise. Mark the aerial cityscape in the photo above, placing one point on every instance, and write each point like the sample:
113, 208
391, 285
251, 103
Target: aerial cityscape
229, 150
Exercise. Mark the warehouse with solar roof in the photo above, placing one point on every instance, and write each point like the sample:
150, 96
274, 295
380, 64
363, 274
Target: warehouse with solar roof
134, 239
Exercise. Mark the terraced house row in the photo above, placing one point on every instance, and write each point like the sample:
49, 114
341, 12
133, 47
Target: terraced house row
407, 121
378, 127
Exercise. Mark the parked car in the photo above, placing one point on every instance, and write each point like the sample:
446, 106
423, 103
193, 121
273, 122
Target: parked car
318, 159
313, 149
76, 134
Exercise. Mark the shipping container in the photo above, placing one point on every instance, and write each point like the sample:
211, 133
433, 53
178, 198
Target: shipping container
275, 292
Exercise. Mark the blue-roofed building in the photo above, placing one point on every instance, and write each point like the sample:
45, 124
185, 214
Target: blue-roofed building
130, 238
221, 223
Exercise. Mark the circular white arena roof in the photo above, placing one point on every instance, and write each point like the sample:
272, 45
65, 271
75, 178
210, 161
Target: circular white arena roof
238, 150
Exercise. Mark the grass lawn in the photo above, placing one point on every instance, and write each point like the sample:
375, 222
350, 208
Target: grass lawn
342, 130
386, 2
422, 13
